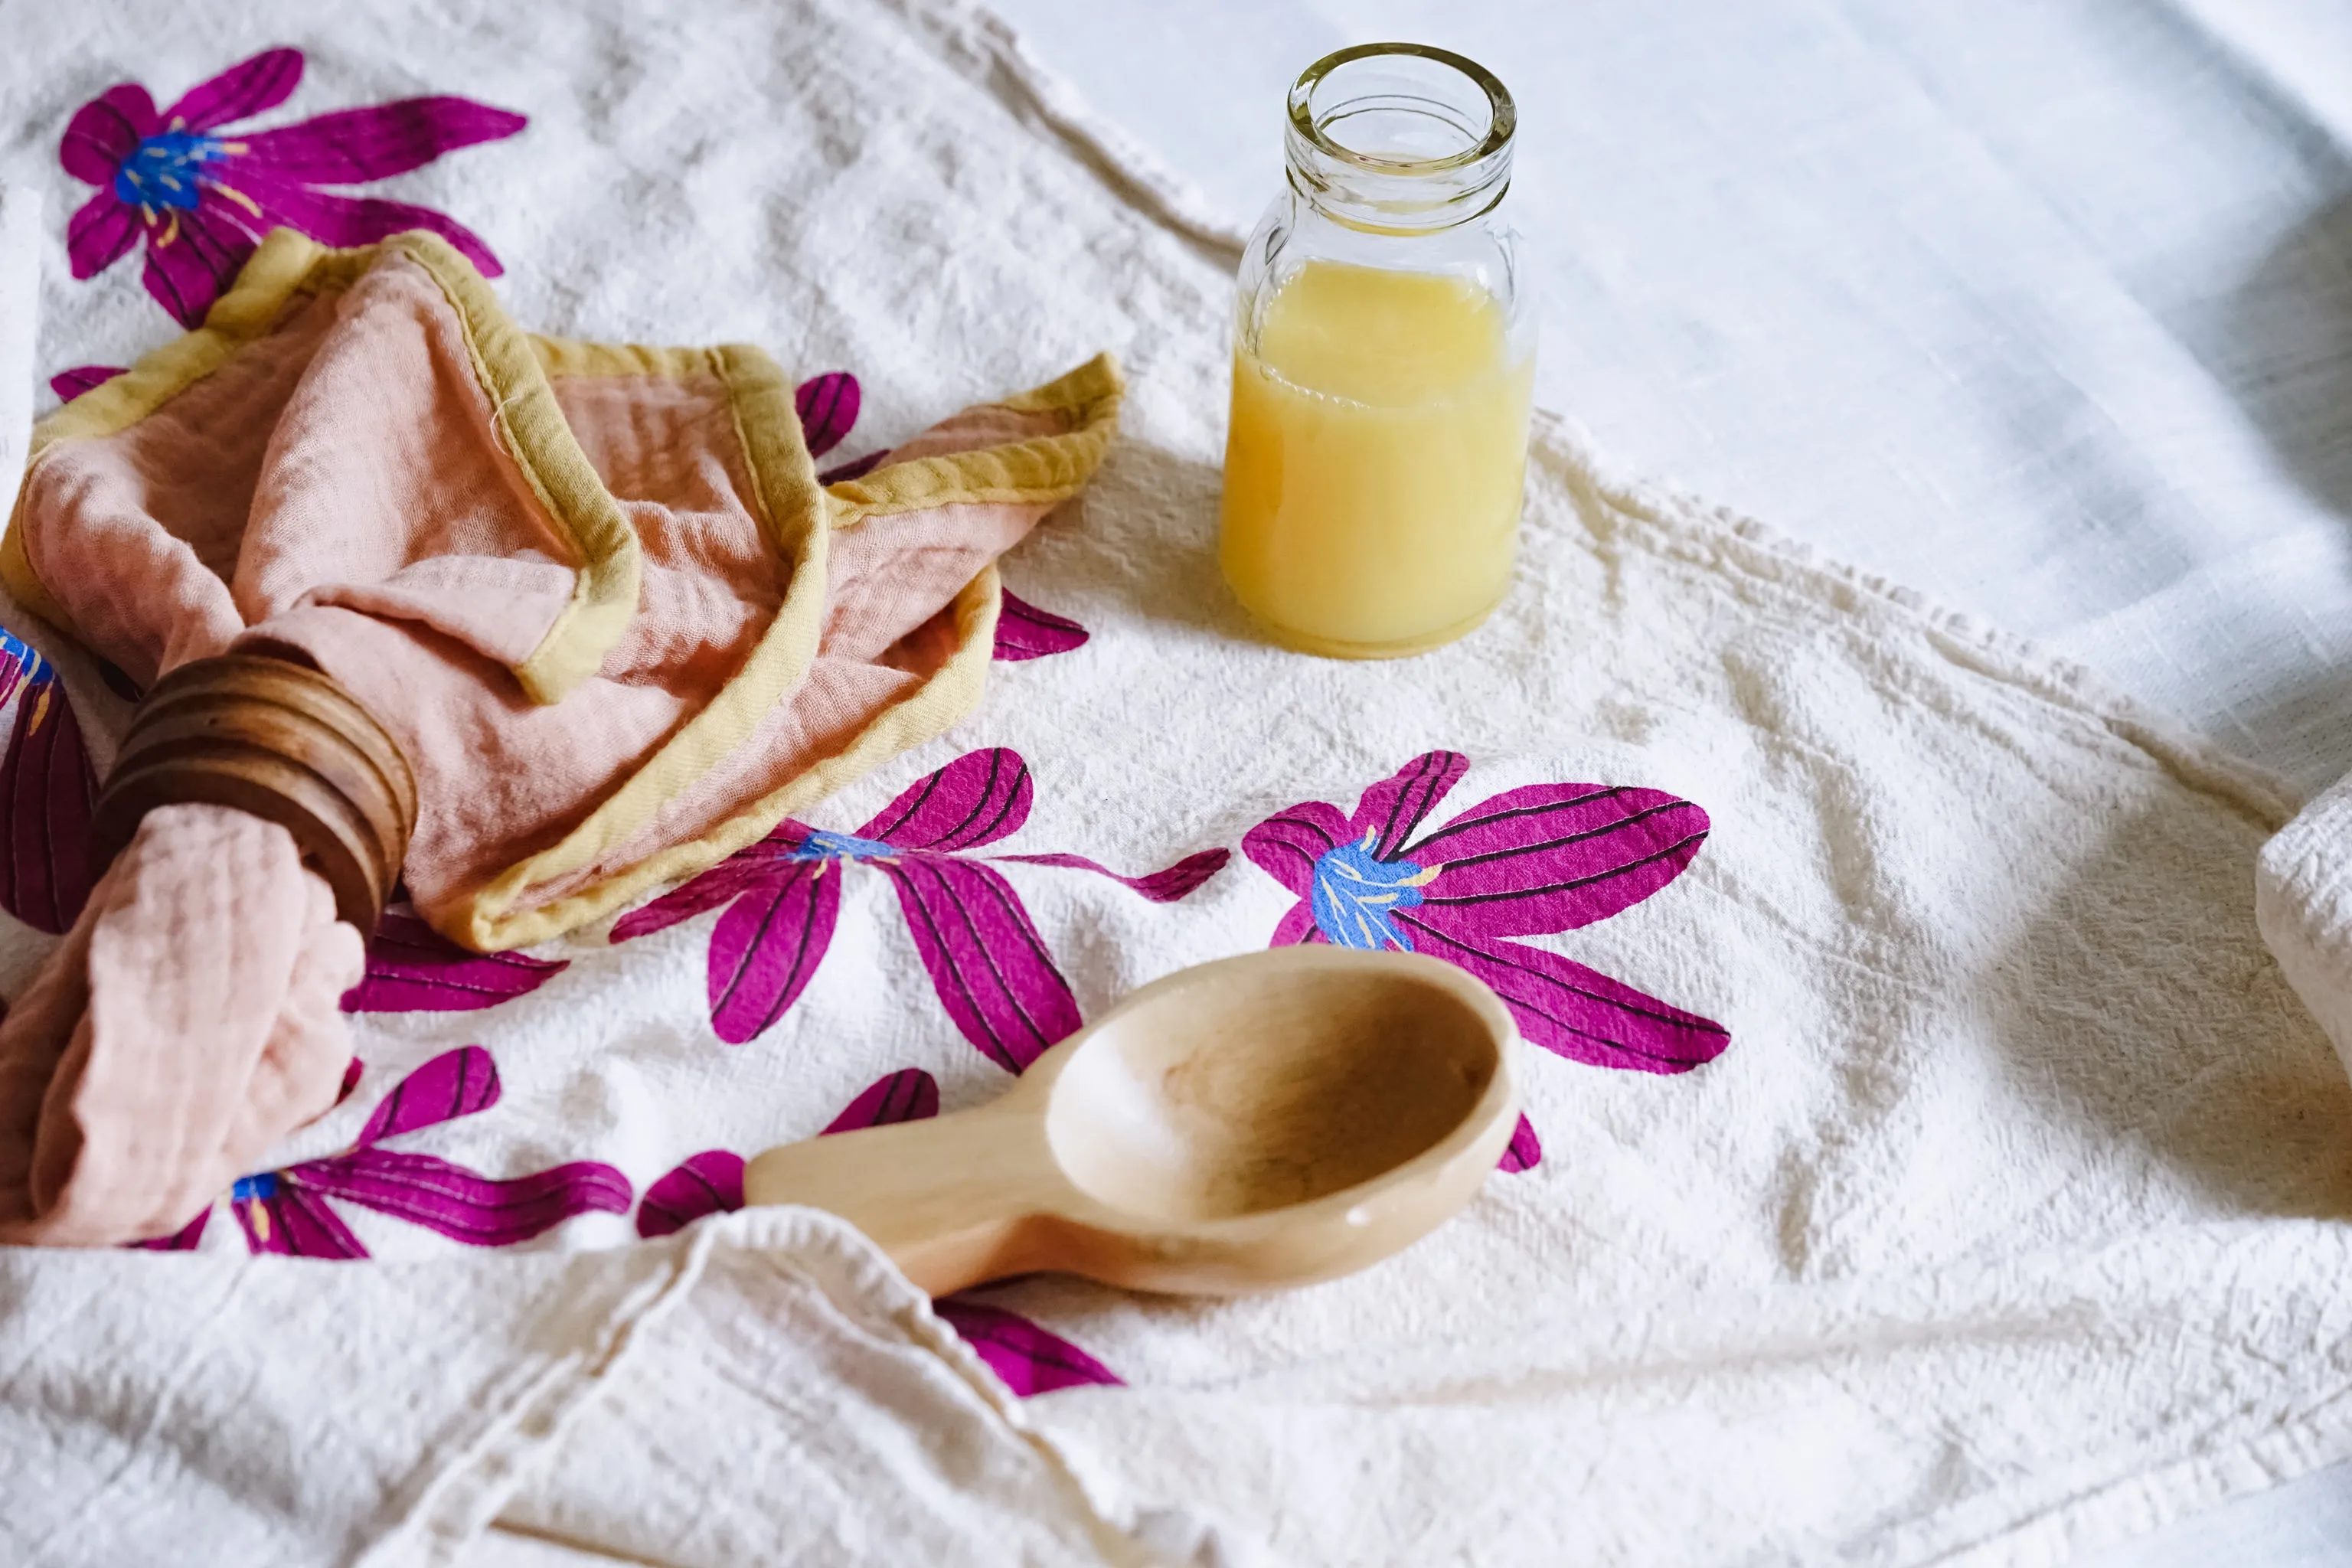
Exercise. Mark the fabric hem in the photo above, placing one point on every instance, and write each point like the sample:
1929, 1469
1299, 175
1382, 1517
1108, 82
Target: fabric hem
529, 427
1686, 523
952, 691
1040, 471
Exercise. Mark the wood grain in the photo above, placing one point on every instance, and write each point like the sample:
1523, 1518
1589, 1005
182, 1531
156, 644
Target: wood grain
1251, 1124
285, 743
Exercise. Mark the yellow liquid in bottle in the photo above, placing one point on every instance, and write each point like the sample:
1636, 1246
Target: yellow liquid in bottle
1375, 462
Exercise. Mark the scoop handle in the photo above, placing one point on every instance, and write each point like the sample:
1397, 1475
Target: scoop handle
955, 1200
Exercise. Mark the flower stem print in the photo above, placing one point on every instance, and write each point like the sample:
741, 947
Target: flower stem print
1030, 1359
48, 788
1543, 859
203, 194
288, 1211
990, 967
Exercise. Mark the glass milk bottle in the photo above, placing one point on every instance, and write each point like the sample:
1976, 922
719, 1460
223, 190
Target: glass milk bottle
1382, 363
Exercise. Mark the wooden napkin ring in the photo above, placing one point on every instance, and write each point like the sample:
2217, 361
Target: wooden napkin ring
285, 743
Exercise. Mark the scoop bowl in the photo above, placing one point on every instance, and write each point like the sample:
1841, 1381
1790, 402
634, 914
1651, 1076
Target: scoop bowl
1251, 1124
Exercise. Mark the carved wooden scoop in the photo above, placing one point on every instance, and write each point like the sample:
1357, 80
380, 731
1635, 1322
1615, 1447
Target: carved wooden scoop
1250, 1124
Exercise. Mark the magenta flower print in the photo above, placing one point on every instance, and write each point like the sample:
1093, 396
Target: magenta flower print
990, 967
288, 1211
203, 194
69, 384
47, 789
712, 1181
827, 406
412, 968
1543, 859
1025, 632
1031, 1359
705, 1183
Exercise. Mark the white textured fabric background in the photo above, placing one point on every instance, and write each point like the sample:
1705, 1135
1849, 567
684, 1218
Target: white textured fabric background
2008, 1228
2043, 306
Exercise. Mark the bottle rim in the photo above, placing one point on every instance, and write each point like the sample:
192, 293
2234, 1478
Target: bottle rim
1502, 122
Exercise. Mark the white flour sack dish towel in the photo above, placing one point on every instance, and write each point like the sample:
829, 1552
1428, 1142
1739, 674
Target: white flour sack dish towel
1924, 1160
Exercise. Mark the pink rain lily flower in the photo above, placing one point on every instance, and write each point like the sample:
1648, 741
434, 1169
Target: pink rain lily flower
1031, 1359
992, 972
203, 194
1542, 858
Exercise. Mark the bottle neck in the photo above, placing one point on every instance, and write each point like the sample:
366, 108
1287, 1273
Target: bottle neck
1399, 139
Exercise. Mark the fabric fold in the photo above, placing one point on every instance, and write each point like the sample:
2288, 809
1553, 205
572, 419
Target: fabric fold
595, 594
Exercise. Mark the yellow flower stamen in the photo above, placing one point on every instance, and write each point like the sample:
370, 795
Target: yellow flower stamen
171, 232
239, 197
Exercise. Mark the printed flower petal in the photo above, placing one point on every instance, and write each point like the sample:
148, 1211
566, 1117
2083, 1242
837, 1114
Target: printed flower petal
192, 258
765, 949
47, 790
292, 1222
69, 384
984, 956
106, 130
246, 89
101, 233
856, 469
352, 146
1160, 887
353, 1071
1297, 926
977, 799
464, 1205
910, 1094
339, 221
1526, 1152
412, 968
1578, 1013
1024, 632
721, 884
185, 1239
1393, 808
705, 1184
1029, 1359
1287, 845
827, 406
453, 1084
1551, 857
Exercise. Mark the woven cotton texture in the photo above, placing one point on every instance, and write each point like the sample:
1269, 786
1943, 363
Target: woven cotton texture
1925, 1161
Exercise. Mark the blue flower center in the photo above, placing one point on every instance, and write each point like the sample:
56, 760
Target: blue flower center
1355, 896
255, 1188
822, 845
162, 170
